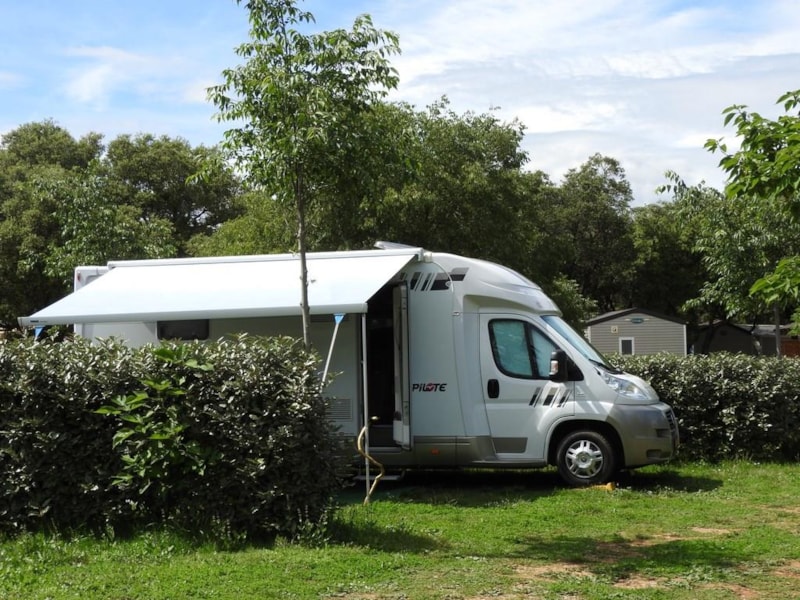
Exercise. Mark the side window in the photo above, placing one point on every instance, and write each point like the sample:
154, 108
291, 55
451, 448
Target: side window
543, 349
510, 347
196, 329
519, 349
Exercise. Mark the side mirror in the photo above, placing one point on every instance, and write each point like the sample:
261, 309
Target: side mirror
562, 368
558, 366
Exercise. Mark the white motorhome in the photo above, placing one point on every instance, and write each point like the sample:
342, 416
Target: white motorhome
452, 361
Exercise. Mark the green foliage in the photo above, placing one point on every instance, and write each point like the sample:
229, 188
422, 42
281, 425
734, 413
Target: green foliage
297, 93
594, 218
46, 143
737, 239
55, 453
728, 405
94, 227
228, 438
667, 271
264, 227
767, 163
152, 439
67, 202
765, 171
575, 308
153, 176
781, 288
35, 158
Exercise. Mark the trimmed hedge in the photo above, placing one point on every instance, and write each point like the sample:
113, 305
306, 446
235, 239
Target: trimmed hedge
228, 438
727, 405
232, 438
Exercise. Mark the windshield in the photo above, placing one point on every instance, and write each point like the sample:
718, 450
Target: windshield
577, 340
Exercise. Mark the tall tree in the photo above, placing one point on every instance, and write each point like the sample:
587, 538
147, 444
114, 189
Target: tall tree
765, 171
297, 96
466, 191
738, 240
92, 228
153, 175
33, 158
593, 211
46, 143
264, 227
667, 271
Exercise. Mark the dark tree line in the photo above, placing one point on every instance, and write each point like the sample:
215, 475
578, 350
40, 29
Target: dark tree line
434, 178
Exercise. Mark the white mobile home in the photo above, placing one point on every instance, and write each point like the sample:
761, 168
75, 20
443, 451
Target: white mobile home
453, 361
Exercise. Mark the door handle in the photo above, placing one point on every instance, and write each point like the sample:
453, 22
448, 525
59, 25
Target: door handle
493, 388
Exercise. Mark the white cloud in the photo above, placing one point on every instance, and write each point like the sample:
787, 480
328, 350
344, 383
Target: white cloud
10, 80
641, 82
110, 76
108, 71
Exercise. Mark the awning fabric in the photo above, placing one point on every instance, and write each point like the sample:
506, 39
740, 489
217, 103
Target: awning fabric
227, 287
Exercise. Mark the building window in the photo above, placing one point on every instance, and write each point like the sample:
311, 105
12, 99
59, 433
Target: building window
626, 346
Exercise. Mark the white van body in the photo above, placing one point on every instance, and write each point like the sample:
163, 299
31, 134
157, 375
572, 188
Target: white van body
447, 358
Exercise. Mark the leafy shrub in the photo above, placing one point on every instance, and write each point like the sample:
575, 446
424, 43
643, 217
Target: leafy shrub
728, 405
55, 453
227, 438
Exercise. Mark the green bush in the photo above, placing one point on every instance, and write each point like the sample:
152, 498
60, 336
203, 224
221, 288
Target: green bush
727, 405
226, 438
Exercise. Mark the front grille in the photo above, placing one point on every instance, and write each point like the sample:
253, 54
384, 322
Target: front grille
673, 426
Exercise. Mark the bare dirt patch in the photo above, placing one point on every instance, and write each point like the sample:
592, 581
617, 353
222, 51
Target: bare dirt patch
711, 531
639, 583
551, 571
790, 570
741, 592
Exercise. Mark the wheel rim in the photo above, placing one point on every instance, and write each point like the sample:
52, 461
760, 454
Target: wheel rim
584, 459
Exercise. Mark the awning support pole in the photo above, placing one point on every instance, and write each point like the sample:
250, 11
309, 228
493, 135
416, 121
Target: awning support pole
365, 394
338, 319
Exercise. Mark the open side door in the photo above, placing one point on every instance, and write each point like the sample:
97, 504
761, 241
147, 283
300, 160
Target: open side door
401, 425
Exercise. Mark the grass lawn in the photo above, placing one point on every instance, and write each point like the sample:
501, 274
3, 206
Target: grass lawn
684, 531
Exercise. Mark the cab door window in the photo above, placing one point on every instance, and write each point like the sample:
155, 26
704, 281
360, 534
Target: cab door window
519, 349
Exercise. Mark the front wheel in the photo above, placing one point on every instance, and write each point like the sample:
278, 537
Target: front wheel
585, 458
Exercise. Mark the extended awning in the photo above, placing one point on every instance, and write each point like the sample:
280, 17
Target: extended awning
227, 287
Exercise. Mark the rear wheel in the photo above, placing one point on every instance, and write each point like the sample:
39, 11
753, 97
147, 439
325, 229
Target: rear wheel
585, 458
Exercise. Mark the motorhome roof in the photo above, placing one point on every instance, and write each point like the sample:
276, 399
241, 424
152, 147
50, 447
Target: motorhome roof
491, 284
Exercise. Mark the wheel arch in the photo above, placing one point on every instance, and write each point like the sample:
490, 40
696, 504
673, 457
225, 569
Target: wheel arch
565, 428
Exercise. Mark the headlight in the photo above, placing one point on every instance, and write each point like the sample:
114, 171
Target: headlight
625, 387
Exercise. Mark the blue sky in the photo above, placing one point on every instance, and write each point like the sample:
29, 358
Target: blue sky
642, 81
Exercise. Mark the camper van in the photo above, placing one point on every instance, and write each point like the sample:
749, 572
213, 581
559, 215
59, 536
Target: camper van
443, 361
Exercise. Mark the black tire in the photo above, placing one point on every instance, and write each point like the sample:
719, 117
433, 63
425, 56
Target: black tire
585, 458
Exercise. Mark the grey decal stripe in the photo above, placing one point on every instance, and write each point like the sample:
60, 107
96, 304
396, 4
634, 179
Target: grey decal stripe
459, 273
442, 282
535, 397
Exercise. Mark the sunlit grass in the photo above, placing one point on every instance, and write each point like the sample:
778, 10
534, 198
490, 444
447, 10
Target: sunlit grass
686, 531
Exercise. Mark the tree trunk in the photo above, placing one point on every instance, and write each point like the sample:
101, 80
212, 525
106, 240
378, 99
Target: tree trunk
300, 199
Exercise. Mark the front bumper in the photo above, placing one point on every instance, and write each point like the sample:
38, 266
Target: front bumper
649, 433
